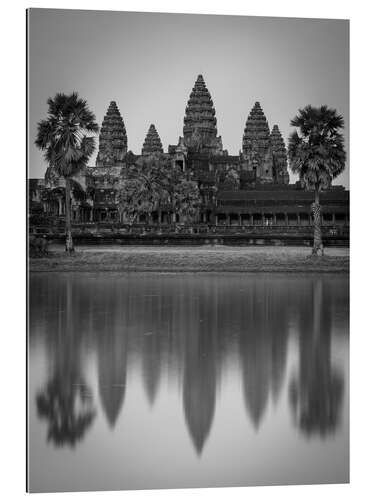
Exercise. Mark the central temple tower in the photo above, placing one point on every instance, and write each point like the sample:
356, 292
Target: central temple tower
200, 132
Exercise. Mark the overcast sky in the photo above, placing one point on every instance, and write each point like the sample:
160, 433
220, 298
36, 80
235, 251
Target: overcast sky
148, 64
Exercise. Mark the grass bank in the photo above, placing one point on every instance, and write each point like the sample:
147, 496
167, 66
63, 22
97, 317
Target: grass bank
193, 259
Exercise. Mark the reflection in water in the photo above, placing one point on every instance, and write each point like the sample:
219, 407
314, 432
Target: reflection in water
151, 365
316, 395
193, 330
112, 373
199, 386
199, 389
66, 400
152, 347
263, 347
110, 337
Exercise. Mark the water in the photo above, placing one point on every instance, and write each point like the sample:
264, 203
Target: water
182, 380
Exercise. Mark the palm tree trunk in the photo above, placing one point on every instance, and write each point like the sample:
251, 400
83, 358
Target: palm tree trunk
68, 224
318, 245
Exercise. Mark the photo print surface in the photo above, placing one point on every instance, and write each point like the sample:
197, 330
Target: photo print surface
188, 222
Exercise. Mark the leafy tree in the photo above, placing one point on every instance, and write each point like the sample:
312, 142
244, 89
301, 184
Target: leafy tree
316, 152
186, 199
183, 193
231, 180
143, 187
152, 182
65, 137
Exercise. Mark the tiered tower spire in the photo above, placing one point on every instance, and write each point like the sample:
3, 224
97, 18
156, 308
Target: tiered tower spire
200, 132
113, 141
152, 144
280, 157
256, 137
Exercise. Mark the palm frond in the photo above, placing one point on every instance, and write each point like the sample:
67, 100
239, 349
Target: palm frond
62, 136
316, 149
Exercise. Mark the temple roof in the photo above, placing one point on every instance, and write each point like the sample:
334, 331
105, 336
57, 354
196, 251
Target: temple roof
200, 117
277, 141
152, 142
113, 141
256, 137
279, 153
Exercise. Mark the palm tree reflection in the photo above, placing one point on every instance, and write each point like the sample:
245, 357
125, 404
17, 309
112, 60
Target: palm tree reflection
316, 394
66, 401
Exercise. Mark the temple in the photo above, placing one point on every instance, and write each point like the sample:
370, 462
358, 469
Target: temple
113, 141
238, 192
152, 144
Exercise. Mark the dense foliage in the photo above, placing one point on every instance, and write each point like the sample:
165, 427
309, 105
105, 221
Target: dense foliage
154, 183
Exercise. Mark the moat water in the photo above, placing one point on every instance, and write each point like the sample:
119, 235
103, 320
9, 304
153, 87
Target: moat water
187, 380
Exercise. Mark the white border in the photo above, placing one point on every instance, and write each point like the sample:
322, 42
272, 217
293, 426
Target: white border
362, 185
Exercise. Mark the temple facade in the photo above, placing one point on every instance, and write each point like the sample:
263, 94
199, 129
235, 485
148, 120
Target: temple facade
248, 189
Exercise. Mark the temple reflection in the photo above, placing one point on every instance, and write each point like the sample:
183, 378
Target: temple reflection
111, 345
316, 393
187, 331
112, 373
199, 379
151, 365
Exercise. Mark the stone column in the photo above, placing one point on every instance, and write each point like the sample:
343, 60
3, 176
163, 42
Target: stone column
298, 219
334, 218
251, 219
286, 218
227, 220
239, 219
60, 206
263, 220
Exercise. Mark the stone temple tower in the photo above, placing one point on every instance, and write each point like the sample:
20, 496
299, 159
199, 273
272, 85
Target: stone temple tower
200, 132
280, 158
264, 151
113, 141
256, 137
152, 144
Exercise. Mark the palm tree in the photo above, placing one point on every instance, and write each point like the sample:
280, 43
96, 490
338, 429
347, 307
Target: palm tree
63, 136
316, 152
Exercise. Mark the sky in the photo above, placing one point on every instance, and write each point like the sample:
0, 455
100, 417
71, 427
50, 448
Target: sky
148, 64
